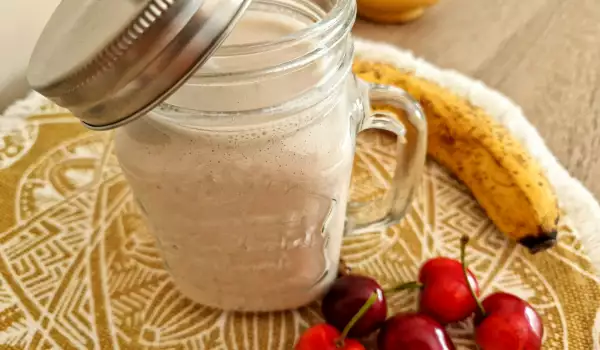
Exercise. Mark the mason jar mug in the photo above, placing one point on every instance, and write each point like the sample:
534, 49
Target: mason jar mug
243, 171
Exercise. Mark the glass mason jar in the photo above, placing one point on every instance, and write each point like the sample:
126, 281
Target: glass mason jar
244, 172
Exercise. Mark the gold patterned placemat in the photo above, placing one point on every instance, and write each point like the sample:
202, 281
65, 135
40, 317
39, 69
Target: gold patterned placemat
79, 270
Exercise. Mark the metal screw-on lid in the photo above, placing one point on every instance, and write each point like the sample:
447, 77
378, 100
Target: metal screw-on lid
111, 61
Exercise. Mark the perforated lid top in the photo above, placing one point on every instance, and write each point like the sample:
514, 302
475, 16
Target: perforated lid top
111, 61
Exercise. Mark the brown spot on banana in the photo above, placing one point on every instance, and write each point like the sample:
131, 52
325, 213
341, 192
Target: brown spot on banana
540, 242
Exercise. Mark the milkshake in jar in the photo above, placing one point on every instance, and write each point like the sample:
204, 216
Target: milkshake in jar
239, 141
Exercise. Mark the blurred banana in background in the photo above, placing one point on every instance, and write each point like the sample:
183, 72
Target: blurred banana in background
393, 11
506, 181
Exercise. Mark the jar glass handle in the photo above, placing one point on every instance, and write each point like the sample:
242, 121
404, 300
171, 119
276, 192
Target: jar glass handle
410, 127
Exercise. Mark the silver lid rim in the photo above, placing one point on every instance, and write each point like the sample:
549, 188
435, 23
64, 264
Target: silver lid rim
155, 53
110, 55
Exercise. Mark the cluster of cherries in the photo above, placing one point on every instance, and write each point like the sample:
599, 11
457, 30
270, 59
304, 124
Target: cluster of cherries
356, 306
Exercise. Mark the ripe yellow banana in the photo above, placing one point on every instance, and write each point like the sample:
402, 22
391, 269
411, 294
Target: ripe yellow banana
506, 181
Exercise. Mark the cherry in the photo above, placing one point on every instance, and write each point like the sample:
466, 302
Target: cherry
508, 322
327, 337
346, 296
413, 331
504, 321
323, 337
444, 294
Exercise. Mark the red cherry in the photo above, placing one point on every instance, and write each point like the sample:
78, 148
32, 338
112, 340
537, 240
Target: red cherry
445, 294
325, 337
346, 297
413, 331
505, 321
508, 323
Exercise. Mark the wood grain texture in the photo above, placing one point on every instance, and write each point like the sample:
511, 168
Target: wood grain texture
543, 54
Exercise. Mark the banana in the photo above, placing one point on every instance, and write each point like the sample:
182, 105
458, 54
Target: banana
393, 11
506, 181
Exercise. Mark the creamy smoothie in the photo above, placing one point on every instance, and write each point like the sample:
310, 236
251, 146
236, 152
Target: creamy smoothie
248, 210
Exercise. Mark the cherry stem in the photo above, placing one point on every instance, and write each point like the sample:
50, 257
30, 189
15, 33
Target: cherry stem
361, 312
405, 286
464, 240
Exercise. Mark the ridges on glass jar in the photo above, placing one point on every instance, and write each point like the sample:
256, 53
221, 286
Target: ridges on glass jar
243, 172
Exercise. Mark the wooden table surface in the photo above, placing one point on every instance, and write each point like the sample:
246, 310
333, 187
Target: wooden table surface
543, 54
